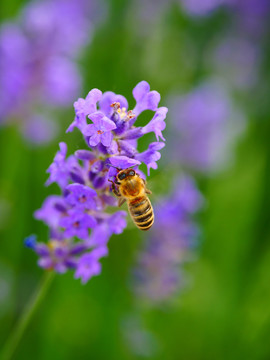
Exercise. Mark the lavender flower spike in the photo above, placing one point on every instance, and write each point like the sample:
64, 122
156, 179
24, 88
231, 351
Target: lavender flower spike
80, 225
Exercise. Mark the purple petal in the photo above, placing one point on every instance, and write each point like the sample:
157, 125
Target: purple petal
84, 107
100, 251
157, 124
92, 98
85, 155
96, 116
42, 250
151, 155
133, 134
106, 138
87, 267
145, 99
113, 148
106, 124
140, 90
127, 148
94, 140
60, 268
81, 190
78, 248
99, 235
122, 162
109, 98
117, 222
90, 130
45, 262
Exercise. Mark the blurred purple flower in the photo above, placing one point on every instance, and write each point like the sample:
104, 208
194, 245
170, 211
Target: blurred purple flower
158, 275
39, 129
59, 255
250, 16
201, 7
38, 66
205, 124
236, 60
89, 265
53, 208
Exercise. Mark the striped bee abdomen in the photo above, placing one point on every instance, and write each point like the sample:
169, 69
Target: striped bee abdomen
141, 211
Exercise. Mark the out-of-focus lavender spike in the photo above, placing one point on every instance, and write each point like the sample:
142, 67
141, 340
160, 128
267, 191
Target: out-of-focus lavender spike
158, 275
39, 71
205, 124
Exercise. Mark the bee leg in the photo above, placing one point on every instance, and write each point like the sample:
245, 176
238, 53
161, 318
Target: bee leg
115, 190
121, 201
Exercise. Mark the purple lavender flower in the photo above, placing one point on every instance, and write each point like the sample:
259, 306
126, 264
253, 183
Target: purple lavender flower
100, 130
201, 7
236, 60
39, 71
250, 16
77, 223
158, 273
81, 196
53, 209
89, 265
78, 219
85, 107
59, 255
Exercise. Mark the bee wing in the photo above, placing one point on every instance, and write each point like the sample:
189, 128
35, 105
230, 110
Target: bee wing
146, 190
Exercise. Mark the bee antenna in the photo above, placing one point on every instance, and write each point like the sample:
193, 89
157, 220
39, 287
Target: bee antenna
117, 168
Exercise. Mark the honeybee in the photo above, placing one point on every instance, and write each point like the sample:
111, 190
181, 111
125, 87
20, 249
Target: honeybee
130, 187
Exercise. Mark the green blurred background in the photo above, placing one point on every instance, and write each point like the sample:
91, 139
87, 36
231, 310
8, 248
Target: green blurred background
224, 313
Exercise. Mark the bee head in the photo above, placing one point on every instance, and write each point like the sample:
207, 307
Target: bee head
126, 173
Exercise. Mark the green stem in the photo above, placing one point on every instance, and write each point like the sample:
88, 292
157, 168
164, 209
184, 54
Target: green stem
16, 335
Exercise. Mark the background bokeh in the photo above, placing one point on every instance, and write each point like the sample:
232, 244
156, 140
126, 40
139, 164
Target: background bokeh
223, 311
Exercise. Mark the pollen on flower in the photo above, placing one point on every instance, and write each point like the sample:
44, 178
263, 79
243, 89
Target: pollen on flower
115, 105
130, 114
52, 244
122, 113
76, 224
100, 132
